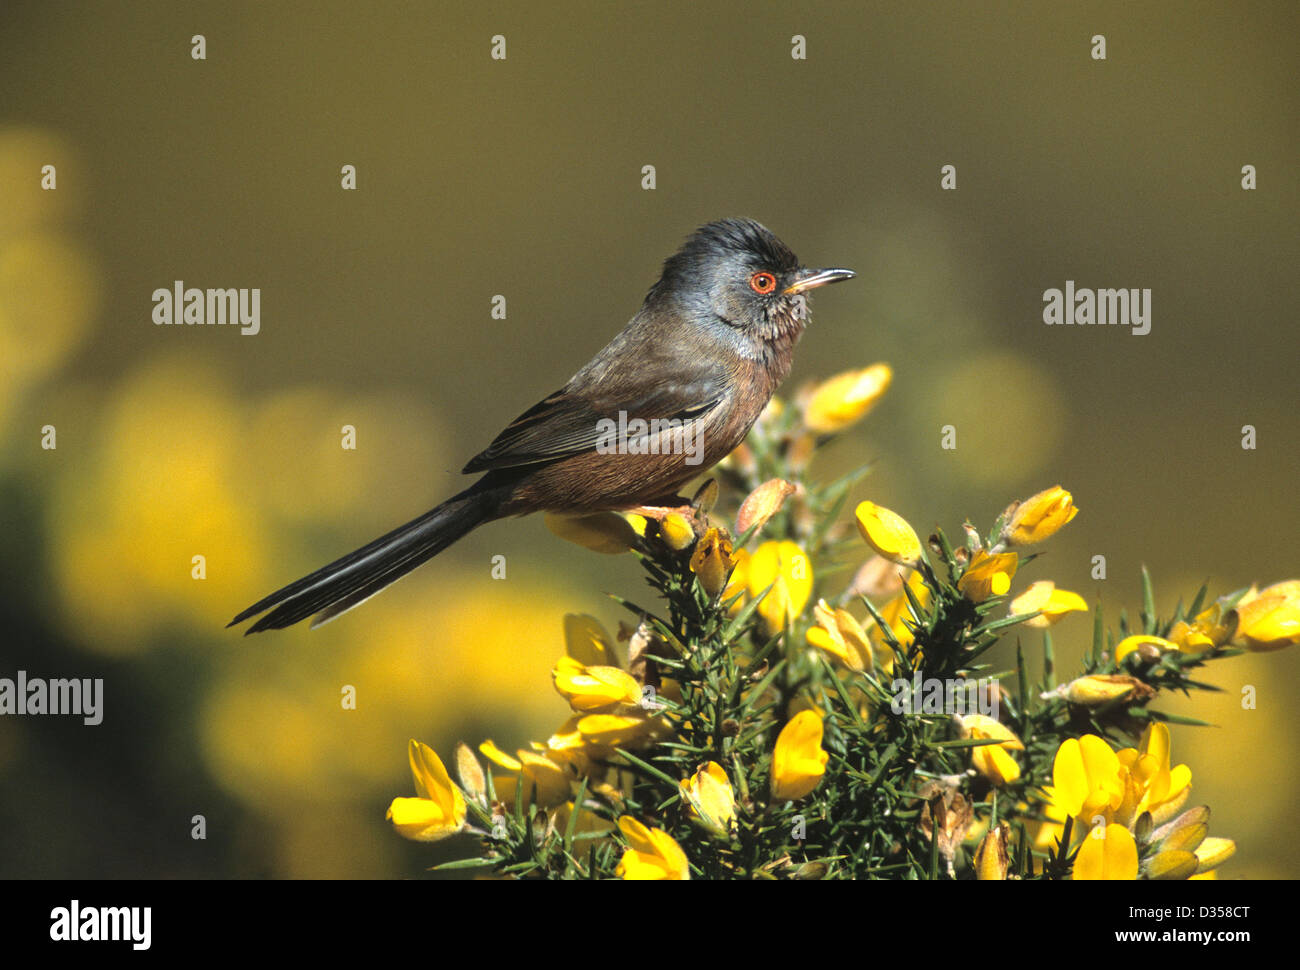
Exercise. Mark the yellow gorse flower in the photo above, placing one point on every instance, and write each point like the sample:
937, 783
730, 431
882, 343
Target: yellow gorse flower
844, 399
786, 564
612, 708
651, 853
798, 762
677, 531
545, 779
840, 635
992, 760
988, 575
1094, 784
1054, 603
438, 810
712, 561
1147, 647
594, 688
1269, 620
888, 533
1107, 853
1209, 628
1039, 517
711, 798
1086, 779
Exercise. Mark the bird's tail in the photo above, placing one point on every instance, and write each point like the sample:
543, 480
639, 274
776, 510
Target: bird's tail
334, 589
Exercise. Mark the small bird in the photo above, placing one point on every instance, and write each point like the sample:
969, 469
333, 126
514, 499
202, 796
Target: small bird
682, 383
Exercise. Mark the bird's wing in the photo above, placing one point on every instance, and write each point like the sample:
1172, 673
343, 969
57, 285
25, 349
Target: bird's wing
568, 421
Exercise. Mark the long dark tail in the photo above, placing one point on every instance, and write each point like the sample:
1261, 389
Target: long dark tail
334, 589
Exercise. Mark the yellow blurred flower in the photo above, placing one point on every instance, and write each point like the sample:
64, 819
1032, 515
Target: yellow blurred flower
159, 486
543, 777
1054, 603
1039, 517
840, 635
798, 762
785, 564
992, 760
837, 403
587, 821
438, 810
586, 641
888, 533
629, 730
651, 853
897, 614
594, 688
711, 798
549, 779
988, 575
739, 582
603, 532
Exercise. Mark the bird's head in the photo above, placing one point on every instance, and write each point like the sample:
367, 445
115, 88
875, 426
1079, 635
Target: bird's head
737, 272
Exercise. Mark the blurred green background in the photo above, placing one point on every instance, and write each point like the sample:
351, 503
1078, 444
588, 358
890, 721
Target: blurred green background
522, 177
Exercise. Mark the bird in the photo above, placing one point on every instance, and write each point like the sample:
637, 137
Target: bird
687, 377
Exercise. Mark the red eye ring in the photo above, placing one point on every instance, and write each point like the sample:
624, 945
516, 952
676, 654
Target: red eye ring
762, 283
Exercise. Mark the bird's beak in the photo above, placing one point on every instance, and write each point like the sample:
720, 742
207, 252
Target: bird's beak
810, 279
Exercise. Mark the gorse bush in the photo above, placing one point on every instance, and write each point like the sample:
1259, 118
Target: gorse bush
760, 726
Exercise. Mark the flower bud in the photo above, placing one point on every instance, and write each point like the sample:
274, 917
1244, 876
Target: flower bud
1098, 689
1039, 517
991, 859
888, 533
676, 531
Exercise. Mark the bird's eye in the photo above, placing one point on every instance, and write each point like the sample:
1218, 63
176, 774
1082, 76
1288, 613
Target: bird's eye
763, 283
